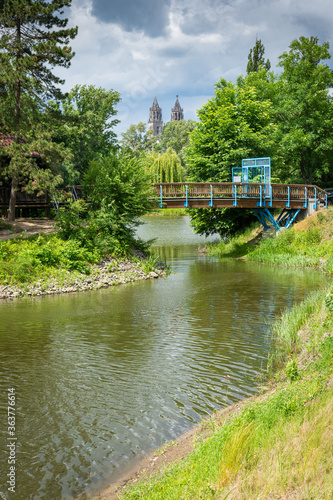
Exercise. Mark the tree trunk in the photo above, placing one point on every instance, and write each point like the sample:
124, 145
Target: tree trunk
12, 200
304, 174
17, 116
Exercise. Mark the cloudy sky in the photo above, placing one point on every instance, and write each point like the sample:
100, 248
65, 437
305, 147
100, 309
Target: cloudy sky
164, 48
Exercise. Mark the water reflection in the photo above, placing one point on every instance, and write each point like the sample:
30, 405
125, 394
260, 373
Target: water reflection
105, 376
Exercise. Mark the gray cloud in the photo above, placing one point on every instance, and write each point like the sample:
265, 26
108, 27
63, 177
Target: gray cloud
314, 25
149, 16
143, 49
202, 17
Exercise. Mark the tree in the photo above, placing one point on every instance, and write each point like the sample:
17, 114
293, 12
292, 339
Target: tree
119, 193
305, 111
176, 135
137, 139
256, 58
85, 125
235, 124
29, 50
163, 167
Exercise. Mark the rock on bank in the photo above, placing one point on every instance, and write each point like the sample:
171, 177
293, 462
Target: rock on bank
109, 272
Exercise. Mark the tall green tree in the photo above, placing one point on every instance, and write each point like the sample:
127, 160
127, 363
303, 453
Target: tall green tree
236, 123
256, 58
137, 139
305, 111
176, 135
34, 40
85, 125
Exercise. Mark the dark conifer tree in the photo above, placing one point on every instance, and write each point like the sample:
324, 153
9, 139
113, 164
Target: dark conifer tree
34, 39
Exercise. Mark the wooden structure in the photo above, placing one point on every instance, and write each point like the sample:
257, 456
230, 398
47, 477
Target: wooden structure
25, 202
241, 195
290, 199
259, 198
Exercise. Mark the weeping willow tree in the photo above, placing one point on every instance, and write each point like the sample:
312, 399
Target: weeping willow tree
164, 167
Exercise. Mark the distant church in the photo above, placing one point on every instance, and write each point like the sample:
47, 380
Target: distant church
155, 121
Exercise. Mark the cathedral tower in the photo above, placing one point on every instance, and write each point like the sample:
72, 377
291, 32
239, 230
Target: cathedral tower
177, 112
155, 118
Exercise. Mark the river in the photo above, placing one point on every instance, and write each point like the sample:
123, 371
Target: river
103, 377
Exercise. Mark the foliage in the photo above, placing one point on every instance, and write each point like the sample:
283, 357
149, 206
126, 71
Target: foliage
291, 370
117, 194
256, 58
222, 221
165, 167
85, 126
29, 50
176, 135
305, 111
136, 140
329, 300
30, 259
234, 124
150, 264
71, 220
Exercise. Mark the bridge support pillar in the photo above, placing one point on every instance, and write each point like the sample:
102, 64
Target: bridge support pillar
285, 219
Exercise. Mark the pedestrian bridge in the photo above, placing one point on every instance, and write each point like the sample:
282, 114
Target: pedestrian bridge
260, 198
290, 199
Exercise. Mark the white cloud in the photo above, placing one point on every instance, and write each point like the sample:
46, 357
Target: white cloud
201, 41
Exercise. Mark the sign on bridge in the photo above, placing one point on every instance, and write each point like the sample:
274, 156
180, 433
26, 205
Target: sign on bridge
254, 170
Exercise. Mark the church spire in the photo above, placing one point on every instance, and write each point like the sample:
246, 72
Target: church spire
155, 122
177, 112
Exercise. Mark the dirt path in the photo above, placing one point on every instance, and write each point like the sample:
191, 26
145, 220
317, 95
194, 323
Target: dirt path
28, 227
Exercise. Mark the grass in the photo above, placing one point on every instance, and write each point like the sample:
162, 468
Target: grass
279, 445
165, 212
233, 247
27, 261
308, 244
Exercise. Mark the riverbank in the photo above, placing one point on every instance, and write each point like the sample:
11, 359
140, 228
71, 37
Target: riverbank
308, 243
168, 212
34, 261
107, 273
277, 445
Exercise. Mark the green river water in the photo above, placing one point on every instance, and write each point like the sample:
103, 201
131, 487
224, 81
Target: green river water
103, 377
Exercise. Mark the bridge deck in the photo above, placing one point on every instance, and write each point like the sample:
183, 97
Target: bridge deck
241, 195
199, 195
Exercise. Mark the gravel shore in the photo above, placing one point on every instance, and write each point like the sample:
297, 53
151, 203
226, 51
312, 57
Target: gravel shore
109, 272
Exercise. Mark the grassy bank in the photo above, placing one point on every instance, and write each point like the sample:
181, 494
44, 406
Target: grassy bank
168, 211
42, 264
307, 244
280, 444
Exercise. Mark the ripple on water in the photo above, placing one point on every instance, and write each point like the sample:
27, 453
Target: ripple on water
103, 377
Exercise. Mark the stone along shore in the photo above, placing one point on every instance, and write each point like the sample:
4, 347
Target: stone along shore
109, 272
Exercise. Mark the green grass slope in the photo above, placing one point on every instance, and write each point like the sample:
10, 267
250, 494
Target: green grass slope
308, 243
280, 445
